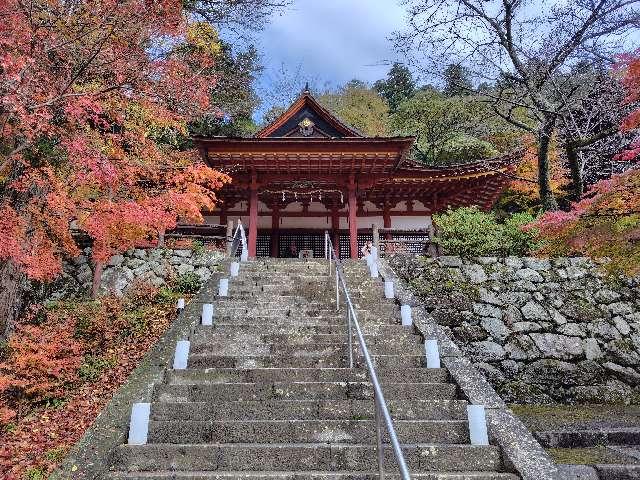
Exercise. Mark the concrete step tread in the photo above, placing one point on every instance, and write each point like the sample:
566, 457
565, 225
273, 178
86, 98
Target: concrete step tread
302, 390
304, 456
306, 475
308, 409
232, 375
362, 431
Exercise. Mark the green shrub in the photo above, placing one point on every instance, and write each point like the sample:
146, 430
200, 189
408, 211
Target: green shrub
35, 474
166, 295
92, 367
188, 283
197, 247
469, 232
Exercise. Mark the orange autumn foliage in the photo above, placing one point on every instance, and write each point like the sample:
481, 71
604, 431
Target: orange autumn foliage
528, 169
62, 366
94, 106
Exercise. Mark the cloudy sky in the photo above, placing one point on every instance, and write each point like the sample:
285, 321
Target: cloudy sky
329, 42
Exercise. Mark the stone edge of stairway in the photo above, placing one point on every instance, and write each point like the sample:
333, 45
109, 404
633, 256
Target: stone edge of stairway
521, 451
91, 455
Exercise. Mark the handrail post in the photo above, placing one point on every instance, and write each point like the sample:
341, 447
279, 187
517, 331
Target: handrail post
379, 449
337, 291
230, 237
376, 236
350, 338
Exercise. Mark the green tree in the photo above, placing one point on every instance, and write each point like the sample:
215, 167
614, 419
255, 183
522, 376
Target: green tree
359, 106
397, 87
457, 81
445, 127
233, 95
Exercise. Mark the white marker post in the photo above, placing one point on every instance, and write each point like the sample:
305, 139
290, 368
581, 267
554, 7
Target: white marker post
223, 287
181, 357
432, 353
388, 289
405, 314
180, 305
207, 314
477, 425
139, 423
374, 269
234, 270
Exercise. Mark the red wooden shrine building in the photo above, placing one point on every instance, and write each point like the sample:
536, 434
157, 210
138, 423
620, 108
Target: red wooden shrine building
308, 172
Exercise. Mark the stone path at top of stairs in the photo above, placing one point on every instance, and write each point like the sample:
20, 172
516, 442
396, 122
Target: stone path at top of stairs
267, 394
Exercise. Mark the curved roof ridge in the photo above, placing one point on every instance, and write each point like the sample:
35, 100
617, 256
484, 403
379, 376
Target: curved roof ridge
301, 102
505, 159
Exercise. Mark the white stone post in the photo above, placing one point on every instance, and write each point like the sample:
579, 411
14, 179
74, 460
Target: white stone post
181, 358
432, 353
223, 287
405, 314
180, 305
388, 289
139, 423
234, 270
477, 425
207, 314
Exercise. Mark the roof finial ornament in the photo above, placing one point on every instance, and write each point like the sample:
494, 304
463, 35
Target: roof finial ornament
306, 88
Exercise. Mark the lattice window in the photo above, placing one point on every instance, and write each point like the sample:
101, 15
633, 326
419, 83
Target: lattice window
345, 246
263, 245
304, 241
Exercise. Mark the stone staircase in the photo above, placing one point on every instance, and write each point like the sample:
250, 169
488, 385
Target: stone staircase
266, 394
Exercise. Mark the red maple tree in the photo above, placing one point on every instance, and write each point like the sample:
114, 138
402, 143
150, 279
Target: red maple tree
605, 223
95, 97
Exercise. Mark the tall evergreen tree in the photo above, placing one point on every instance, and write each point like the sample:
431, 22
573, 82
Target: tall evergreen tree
457, 80
397, 87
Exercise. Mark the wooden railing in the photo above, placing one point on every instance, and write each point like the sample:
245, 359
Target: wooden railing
398, 241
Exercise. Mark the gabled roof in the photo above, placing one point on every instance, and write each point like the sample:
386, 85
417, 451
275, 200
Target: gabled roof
326, 124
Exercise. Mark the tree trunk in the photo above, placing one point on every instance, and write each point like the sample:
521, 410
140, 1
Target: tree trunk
544, 168
575, 165
98, 267
13, 285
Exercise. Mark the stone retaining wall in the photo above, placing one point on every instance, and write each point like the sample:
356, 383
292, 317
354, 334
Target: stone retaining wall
542, 331
157, 266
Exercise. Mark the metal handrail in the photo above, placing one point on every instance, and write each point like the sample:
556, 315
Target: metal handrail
239, 238
380, 402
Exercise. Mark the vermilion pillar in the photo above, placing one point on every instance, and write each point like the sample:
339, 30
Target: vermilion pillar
253, 216
353, 219
275, 234
335, 227
386, 217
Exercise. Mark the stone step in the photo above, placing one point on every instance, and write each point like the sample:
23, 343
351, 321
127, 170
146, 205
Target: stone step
390, 475
301, 457
224, 328
353, 409
237, 307
302, 350
212, 336
304, 431
299, 391
257, 316
270, 375
335, 360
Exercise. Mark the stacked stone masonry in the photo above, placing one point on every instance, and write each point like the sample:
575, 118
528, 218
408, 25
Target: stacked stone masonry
541, 330
157, 266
